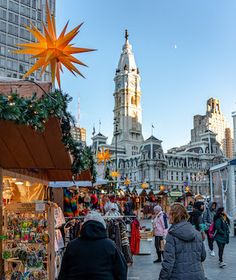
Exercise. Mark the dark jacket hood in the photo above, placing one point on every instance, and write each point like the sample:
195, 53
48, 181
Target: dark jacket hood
210, 204
196, 213
198, 204
183, 231
93, 230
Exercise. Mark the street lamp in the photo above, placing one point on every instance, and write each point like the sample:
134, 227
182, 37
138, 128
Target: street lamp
116, 123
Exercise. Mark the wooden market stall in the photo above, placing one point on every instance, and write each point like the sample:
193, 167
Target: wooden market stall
29, 159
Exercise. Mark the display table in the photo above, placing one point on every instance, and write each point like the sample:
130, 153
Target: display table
145, 246
145, 242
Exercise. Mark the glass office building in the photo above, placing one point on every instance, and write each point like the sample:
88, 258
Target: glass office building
14, 16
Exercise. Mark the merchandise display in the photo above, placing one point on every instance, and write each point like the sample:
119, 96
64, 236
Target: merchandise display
27, 244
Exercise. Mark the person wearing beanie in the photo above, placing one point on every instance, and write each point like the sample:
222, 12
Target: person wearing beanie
159, 231
92, 255
113, 211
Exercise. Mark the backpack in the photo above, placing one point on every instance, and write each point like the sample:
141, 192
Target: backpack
165, 218
211, 230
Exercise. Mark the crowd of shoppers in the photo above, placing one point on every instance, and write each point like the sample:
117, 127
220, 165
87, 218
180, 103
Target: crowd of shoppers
178, 246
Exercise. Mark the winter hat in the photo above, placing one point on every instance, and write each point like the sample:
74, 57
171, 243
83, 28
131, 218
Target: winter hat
113, 206
157, 209
95, 216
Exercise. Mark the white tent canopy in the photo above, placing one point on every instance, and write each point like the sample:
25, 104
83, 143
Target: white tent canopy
67, 184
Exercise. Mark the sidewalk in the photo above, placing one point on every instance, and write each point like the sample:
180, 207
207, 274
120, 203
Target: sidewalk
144, 268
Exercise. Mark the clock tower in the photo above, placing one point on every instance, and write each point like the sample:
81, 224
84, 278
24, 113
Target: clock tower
127, 109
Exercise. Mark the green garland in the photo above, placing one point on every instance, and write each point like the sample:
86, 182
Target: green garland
36, 112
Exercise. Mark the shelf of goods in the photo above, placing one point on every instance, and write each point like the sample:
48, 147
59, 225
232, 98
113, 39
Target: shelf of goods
28, 245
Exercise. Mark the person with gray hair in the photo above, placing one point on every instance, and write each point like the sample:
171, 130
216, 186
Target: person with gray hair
159, 231
93, 256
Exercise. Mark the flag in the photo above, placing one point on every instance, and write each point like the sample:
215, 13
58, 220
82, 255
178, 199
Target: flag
93, 130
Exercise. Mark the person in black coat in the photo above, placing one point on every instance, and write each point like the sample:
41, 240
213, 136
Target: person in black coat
196, 215
93, 256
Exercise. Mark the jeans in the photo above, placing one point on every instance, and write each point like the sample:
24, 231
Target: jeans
221, 247
157, 246
210, 240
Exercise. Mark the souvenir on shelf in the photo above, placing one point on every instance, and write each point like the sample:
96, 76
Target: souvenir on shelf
26, 243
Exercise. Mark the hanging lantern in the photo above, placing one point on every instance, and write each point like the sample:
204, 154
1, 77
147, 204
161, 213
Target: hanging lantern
127, 181
104, 156
115, 174
162, 188
187, 189
53, 50
144, 186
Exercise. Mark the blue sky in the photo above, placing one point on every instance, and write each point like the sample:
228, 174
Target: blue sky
176, 81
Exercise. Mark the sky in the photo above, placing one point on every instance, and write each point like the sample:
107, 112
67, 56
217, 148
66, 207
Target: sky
185, 50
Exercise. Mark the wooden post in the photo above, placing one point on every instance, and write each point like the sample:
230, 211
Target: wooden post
1, 223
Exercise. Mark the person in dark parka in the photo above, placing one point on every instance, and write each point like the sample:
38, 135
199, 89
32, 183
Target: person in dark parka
184, 249
222, 231
93, 256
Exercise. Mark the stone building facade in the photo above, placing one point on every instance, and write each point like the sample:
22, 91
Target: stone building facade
215, 121
145, 161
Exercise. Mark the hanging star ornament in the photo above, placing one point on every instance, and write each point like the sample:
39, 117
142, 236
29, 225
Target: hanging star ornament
103, 156
52, 50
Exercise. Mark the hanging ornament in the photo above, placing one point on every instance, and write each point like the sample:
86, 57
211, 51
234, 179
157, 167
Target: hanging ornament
103, 156
52, 50
115, 174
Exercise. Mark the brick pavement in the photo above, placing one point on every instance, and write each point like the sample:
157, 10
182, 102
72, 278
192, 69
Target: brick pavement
144, 268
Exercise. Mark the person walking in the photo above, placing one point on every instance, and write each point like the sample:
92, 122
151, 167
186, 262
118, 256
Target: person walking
208, 218
159, 231
196, 217
93, 256
184, 248
221, 227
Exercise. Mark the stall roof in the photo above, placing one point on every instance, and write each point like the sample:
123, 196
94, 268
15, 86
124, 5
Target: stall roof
67, 184
23, 148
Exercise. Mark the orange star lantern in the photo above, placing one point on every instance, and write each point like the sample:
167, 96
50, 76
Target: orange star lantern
115, 174
52, 50
144, 185
103, 156
127, 181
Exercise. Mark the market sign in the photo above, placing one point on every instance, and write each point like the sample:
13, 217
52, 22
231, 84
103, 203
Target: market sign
175, 193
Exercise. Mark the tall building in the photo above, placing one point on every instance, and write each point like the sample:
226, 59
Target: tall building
228, 143
214, 120
79, 134
234, 124
14, 16
127, 109
144, 160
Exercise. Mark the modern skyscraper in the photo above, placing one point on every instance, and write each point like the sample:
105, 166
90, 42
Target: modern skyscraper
14, 16
214, 120
127, 109
234, 123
